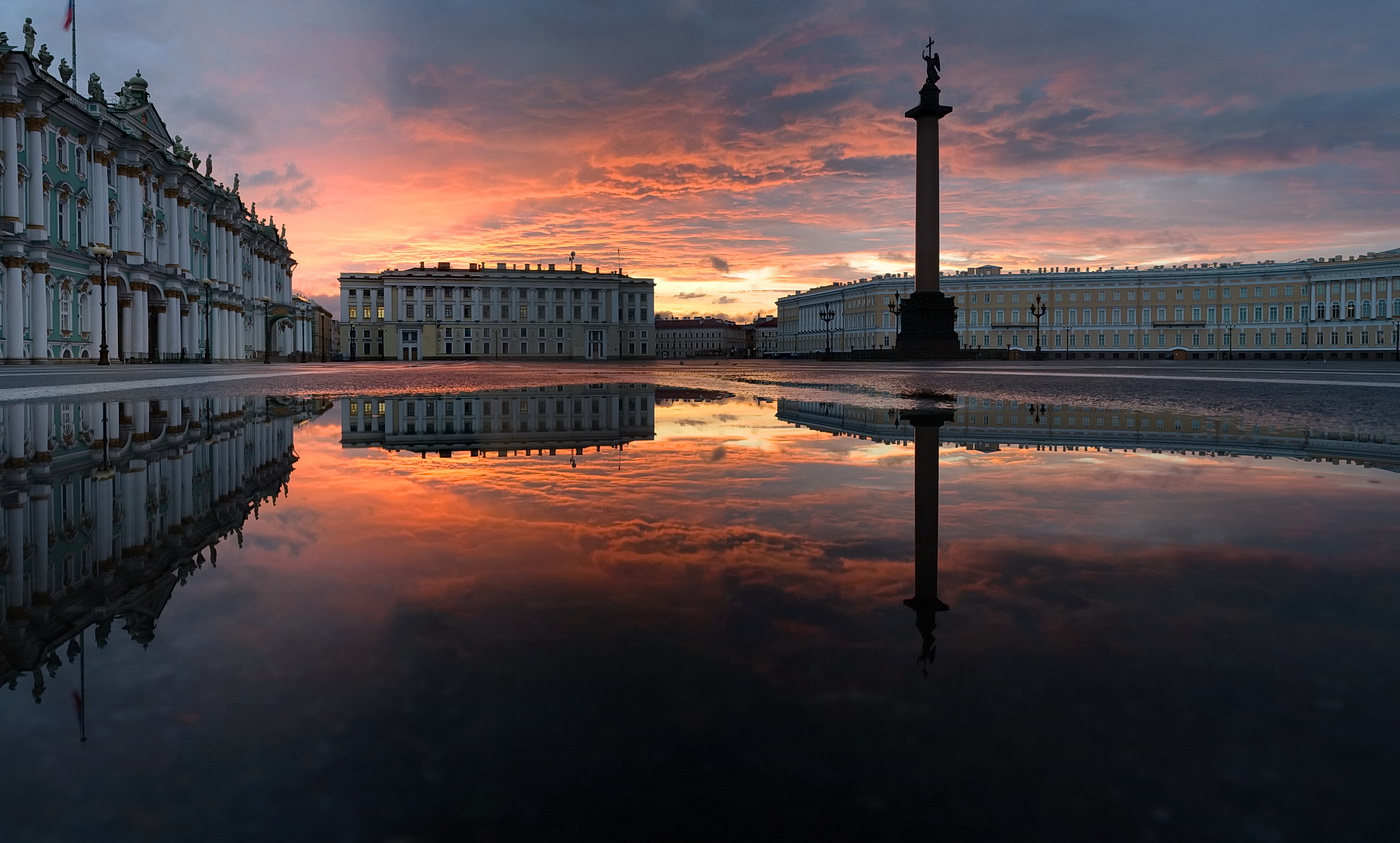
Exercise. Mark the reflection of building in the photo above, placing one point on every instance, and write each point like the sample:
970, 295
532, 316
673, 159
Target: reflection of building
78, 171
987, 424
475, 312
879, 424
102, 528
533, 420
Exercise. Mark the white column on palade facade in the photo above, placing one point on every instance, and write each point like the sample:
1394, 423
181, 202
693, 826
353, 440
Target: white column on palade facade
170, 206
182, 234
9, 185
14, 306
101, 208
37, 224
39, 306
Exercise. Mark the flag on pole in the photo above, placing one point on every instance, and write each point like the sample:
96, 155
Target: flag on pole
68, 18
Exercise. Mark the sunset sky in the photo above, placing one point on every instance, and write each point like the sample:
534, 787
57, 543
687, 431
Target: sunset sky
737, 151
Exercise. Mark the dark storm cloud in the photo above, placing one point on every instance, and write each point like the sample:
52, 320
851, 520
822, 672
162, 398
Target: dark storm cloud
719, 265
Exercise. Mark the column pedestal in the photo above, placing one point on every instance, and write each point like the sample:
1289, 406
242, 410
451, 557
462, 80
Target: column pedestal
926, 328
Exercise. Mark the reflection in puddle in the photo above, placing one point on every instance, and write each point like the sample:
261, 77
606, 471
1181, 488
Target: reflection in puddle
665, 601
110, 506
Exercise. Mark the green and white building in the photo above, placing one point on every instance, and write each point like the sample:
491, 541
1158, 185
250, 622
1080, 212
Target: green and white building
191, 267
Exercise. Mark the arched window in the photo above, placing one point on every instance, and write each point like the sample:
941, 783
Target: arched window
64, 208
1321, 311
65, 310
1380, 308
1336, 310
1351, 310
1366, 309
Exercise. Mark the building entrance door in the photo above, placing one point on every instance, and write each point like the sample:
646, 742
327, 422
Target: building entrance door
595, 346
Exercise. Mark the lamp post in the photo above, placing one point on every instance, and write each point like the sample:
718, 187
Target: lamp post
1396, 328
1037, 310
208, 319
896, 307
102, 253
267, 329
826, 315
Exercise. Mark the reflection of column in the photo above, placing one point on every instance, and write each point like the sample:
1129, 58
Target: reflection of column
39, 498
14, 527
925, 602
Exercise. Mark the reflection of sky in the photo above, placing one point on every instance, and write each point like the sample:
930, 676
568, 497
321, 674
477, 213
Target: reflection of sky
701, 636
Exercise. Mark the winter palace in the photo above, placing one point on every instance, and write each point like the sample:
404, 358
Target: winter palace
1341, 308
191, 273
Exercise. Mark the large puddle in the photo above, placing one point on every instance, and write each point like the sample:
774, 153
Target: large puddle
628, 611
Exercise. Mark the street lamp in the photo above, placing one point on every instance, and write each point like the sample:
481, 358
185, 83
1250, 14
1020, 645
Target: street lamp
1037, 310
267, 329
208, 319
1396, 319
102, 253
826, 315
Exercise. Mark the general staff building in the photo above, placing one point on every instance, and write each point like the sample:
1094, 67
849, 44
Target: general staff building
1333, 308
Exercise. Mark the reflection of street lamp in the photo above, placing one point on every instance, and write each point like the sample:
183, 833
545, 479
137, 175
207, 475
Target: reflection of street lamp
267, 329
102, 253
1037, 310
208, 319
1396, 320
826, 315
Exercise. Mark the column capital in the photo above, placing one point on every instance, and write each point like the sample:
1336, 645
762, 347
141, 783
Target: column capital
13, 261
11, 109
35, 124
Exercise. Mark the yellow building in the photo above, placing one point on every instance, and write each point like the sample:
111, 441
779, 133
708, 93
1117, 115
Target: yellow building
1335, 308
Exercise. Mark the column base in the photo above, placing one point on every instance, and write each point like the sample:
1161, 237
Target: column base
926, 328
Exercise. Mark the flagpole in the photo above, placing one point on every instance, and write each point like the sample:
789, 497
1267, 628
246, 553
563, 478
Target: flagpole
74, 6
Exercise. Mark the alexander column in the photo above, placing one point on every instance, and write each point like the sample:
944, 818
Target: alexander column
927, 316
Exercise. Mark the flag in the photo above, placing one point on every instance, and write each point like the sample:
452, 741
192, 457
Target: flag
68, 18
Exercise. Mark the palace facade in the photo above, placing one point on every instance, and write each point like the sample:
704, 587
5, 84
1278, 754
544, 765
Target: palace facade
192, 270
522, 312
1338, 308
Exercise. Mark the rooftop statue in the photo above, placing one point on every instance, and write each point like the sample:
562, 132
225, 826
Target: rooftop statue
65, 72
194, 160
5, 42
931, 59
45, 57
209, 166
95, 88
29, 35
235, 182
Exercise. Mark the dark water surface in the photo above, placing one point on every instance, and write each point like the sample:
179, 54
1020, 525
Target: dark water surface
698, 611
